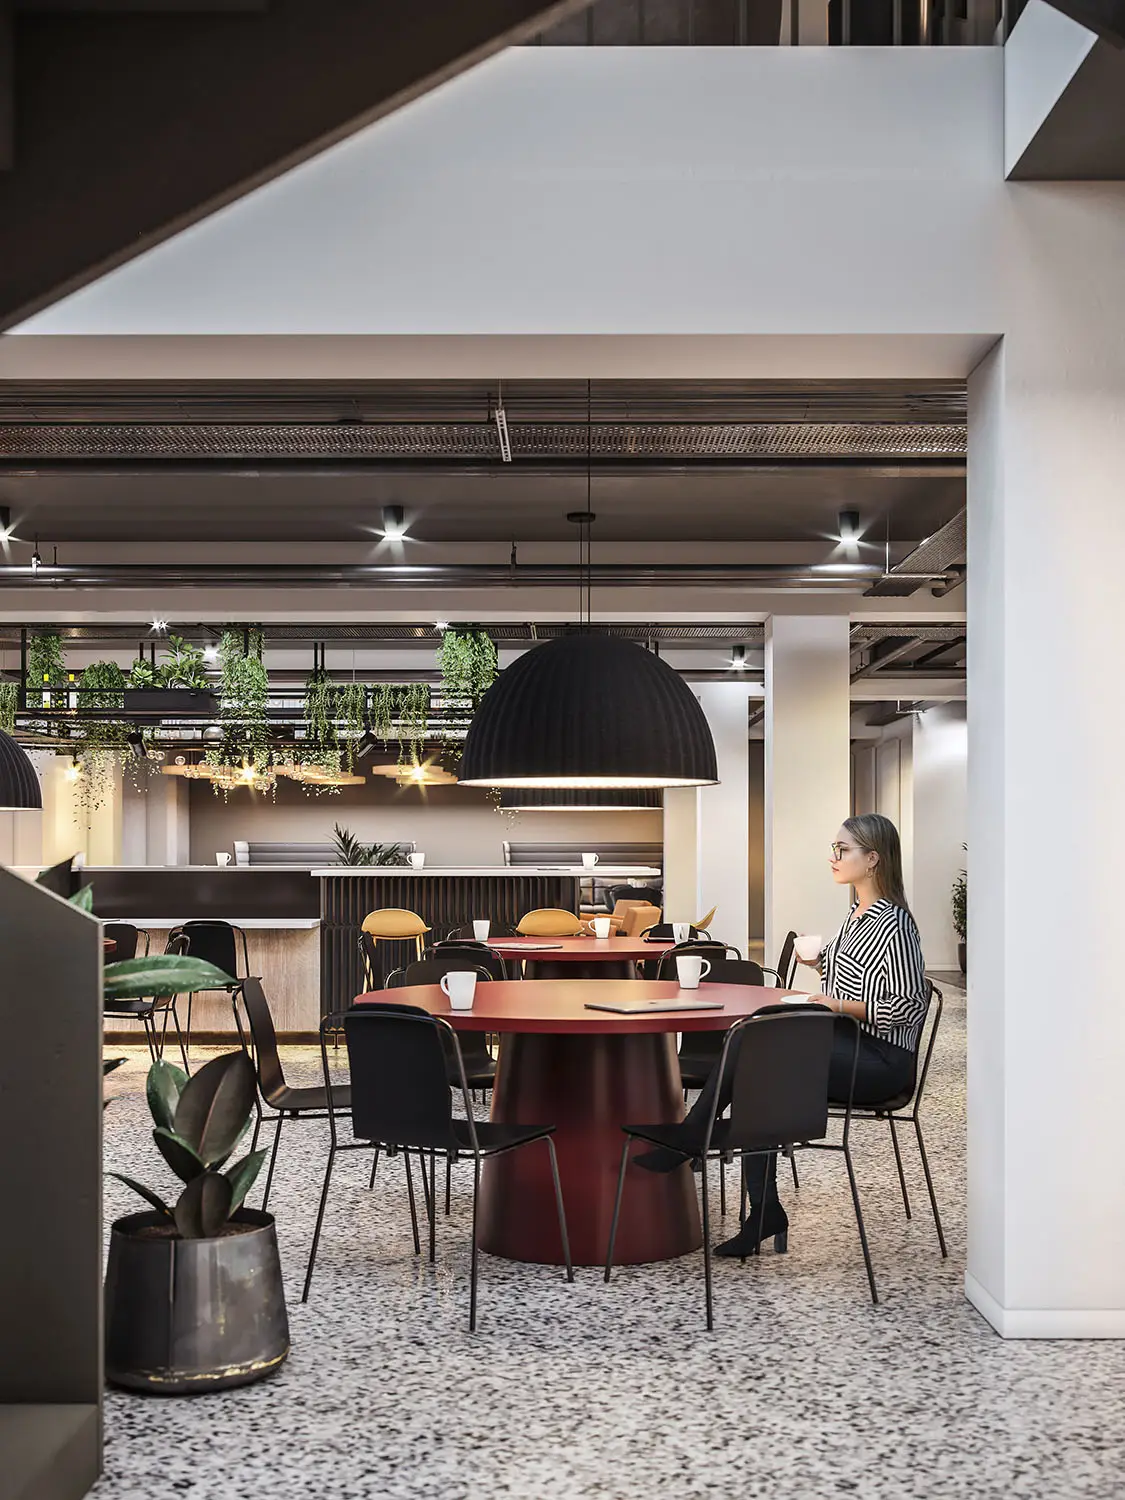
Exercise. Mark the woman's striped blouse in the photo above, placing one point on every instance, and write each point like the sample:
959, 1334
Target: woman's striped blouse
878, 960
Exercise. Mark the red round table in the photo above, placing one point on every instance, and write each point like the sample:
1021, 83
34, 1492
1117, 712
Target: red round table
586, 1072
578, 957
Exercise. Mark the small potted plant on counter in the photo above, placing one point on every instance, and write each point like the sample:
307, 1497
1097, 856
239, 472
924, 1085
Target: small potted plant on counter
960, 903
194, 1295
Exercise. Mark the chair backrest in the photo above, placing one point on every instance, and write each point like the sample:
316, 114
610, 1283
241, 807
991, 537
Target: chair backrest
779, 1084
549, 921
369, 961
638, 918
734, 971
935, 1003
706, 919
787, 961
661, 932
397, 1059
712, 952
178, 942
474, 956
392, 922
271, 1078
620, 896
431, 970
125, 938
214, 941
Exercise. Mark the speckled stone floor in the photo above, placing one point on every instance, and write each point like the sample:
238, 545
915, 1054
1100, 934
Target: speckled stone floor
617, 1392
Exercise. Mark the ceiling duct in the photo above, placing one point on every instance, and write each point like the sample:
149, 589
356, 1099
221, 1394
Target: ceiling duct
938, 554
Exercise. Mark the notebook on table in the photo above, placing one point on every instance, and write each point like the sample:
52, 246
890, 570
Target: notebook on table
650, 1007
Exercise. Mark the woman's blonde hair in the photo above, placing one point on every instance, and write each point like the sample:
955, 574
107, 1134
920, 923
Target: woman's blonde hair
879, 836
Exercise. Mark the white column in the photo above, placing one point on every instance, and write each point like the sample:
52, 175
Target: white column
1046, 790
682, 884
724, 815
807, 774
939, 781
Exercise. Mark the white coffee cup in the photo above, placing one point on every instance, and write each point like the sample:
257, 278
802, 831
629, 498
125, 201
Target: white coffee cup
681, 931
602, 927
417, 861
690, 969
221, 859
459, 985
481, 929
808, 948
589, 861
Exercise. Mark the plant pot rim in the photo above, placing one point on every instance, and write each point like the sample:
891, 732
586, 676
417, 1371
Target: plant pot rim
148, 1218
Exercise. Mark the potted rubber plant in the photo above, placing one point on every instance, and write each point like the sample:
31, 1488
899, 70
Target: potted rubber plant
194, 1294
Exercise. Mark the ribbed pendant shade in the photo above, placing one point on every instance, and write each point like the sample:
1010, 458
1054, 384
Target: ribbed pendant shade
588, 711
19, 785
581, 799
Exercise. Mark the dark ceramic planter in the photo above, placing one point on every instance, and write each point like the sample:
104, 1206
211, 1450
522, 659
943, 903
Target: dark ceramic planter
187, 1316
170, 701
961, 957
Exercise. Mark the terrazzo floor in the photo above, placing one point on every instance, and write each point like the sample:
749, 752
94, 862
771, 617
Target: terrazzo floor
618, 1392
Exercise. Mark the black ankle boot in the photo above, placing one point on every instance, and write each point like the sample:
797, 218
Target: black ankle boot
749, 1238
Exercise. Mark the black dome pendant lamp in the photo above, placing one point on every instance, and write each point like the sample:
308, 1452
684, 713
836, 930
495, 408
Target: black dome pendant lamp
19, 785
588, 710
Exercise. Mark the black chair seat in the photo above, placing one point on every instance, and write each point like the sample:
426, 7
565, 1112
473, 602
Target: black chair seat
128, 1007
286, 1098
672, 1136
499, 1137
477, 1078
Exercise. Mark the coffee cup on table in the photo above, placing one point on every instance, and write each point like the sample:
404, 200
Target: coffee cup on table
602, 927
459, 985
681, 931
481, 928
221, 859
808, 948
417, 861
690, 969
589, 861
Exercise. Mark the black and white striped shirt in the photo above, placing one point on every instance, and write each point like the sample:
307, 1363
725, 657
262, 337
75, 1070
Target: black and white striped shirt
877, 959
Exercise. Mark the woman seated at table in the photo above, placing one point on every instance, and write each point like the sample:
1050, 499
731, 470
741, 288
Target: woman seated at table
872, 970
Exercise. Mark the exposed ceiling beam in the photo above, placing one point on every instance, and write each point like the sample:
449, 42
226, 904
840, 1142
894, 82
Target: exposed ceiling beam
886, 651
937, 553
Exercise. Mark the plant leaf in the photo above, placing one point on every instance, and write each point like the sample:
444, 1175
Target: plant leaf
203, 1207
243, 1174
215, 1106
83, 899
178, 1153
146, 1193
162, 974
163, 1087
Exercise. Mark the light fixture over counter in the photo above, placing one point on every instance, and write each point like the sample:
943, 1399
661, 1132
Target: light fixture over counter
19, 785
589, 711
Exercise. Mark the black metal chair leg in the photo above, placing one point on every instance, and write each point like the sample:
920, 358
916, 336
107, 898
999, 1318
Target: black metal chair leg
707, 1249
560, 1210
413, 1208
187, 1047
164, 1030
616, 1210
722, 1187
319, 1222
859, 1225
743, 1195
150, 1036
792, 1155
374, 1169
448, 1180
431, 1208
930, 1187
898, 1164
273, 1159
427, 1178
473, 1255
180, 1037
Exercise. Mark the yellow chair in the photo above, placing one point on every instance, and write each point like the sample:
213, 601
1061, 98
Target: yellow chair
393, 924
550, 922
703, 923
639, 919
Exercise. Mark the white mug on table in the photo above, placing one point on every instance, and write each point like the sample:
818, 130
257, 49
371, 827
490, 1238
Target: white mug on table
417, 861
681, 931
589, 861
601, 927
481, 929
690, 969
459, 986
222, 859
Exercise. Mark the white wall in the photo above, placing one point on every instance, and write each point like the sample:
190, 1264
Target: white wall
940, 819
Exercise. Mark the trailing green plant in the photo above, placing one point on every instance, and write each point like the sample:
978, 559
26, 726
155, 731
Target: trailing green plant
350, 851
198, 1122
321, 745
381, 711
9, 704
46, 681
468, 664
244, 687
960, 904
413, 706
99, 744
351, 707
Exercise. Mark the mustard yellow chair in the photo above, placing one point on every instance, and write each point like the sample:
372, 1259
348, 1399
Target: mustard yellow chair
390, 924
639, 919
704, 922
550, 922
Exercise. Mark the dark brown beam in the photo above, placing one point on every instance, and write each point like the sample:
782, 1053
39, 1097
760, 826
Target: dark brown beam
884, 652
134, 126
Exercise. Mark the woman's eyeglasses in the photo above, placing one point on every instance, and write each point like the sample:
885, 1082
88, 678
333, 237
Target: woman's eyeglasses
839, 850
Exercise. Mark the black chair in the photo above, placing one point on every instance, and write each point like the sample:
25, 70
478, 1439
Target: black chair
475, 955
700, 1050
147, 1009
218, 943
464, 933
400, 1100
127, 939
779, 1098
706, 947
664, 932
786, 963
910, 1100
650, 893
290, 1103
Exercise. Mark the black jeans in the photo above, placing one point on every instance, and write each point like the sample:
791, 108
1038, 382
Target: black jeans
882, 1070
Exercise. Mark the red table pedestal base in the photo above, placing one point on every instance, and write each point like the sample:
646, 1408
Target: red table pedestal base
588, 1086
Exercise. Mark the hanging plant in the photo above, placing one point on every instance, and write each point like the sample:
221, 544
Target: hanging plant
351, 708
414, 722
243, 703
102, 688
468, 669
381, 711
9, 703
46, 679
322, 738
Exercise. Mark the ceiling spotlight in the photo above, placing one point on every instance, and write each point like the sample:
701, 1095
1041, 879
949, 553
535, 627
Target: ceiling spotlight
210, 653
72, 772
441, 624
738, 658
159, 626
5, 522
499, 416
394, 521
36, 560
847, 523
